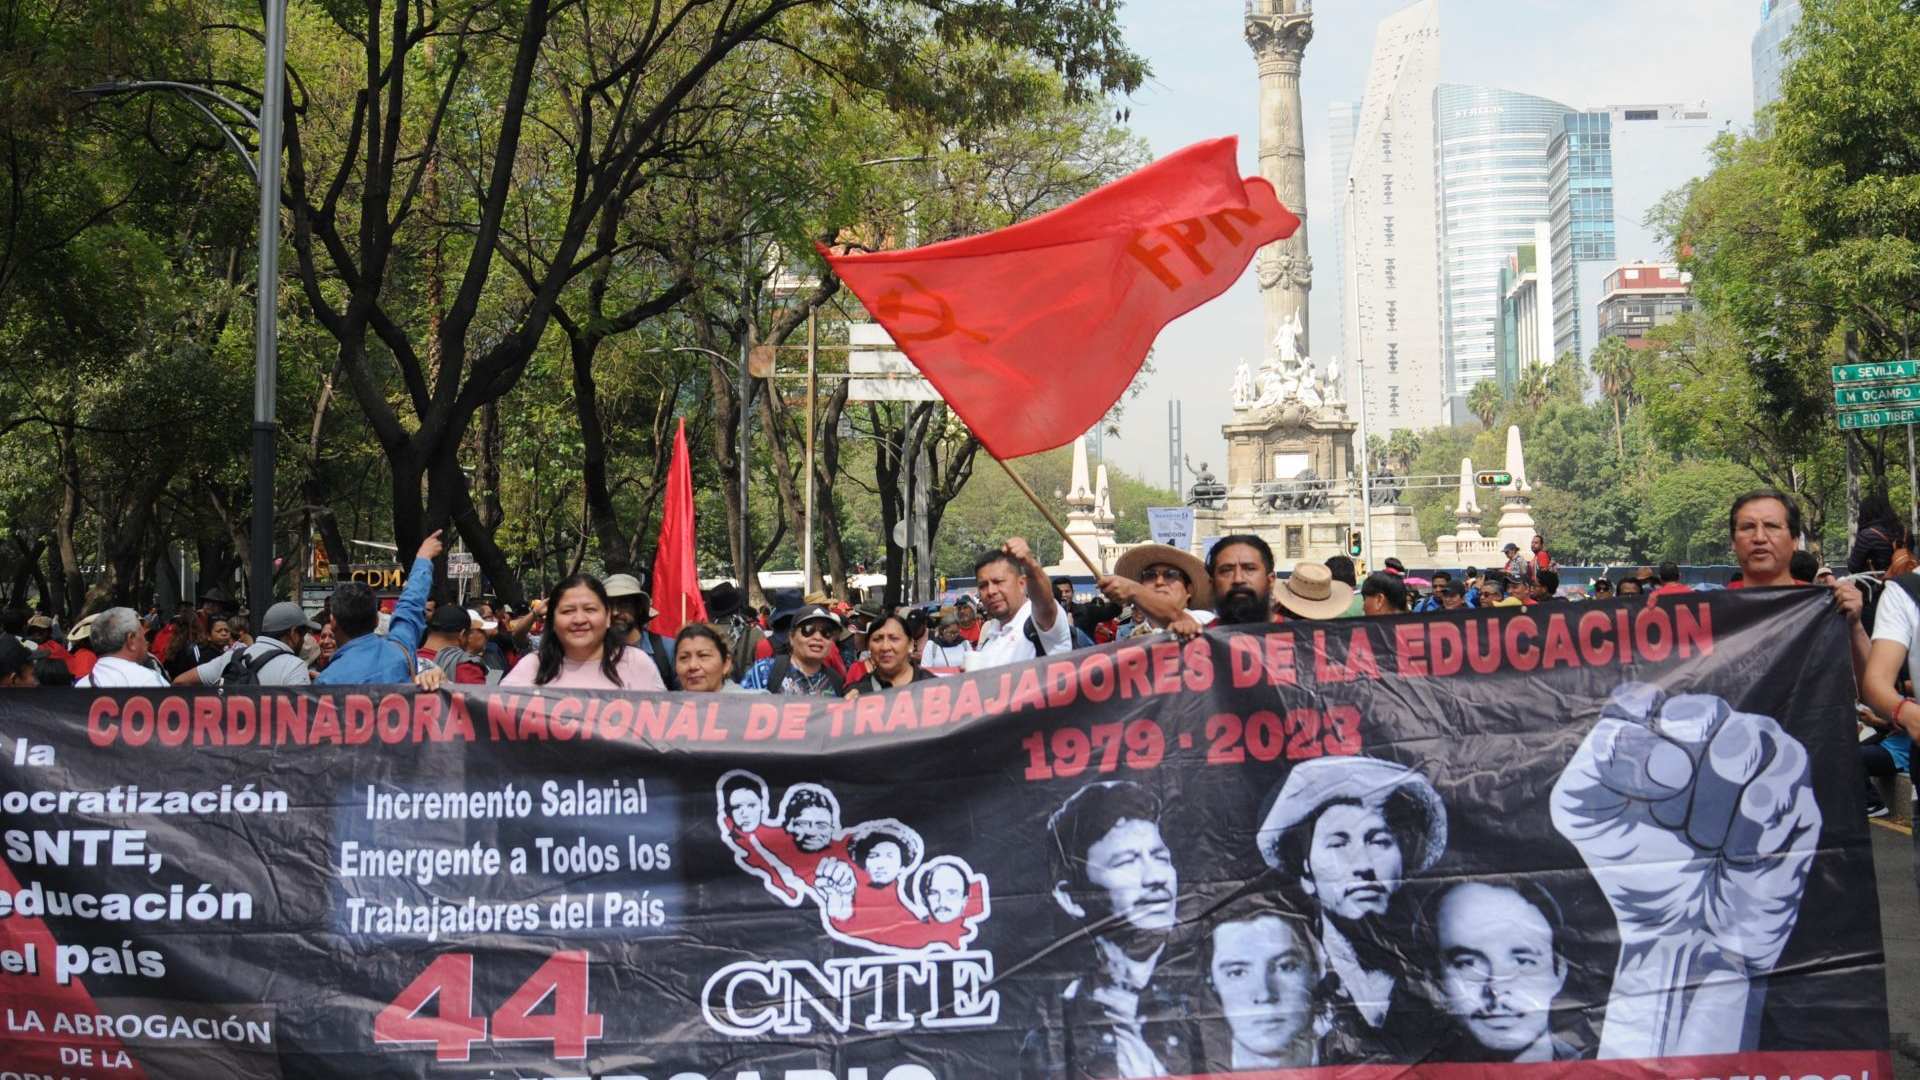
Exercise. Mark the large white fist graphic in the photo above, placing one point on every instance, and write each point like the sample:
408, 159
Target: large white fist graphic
1699, 824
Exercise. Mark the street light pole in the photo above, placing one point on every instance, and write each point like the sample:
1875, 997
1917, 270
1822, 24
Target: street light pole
266, 323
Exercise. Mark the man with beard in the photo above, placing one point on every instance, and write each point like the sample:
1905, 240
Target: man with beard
1497, 963
1262, 965
1240, 567
1114, 875
1347, 831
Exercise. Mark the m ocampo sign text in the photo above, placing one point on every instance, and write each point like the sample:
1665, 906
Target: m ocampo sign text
1610, 839
1894, 394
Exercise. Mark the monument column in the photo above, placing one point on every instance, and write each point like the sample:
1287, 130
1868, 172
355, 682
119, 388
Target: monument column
1278, 31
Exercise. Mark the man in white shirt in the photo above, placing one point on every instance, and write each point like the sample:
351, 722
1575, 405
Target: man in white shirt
121, 641
1016, 594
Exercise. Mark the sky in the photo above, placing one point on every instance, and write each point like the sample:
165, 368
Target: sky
1204, 85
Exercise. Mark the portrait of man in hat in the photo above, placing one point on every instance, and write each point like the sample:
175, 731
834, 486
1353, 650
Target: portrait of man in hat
1115, 876
1347, 833
866, 898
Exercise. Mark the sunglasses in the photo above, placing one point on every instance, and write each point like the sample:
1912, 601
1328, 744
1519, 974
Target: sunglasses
814, 629
1162, 573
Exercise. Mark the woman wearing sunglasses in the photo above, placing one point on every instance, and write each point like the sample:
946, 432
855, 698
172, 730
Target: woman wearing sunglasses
803, 671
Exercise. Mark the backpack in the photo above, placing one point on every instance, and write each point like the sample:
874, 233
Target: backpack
1033, 636
1908, 583
244, 668
746, 639
783, 665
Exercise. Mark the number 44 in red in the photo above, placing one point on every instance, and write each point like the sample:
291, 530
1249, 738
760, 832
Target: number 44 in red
452, 1028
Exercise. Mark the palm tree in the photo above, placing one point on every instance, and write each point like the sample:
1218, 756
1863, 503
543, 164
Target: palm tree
1567, 379
1534, 388
1485, 401
1613, 364
1402, 447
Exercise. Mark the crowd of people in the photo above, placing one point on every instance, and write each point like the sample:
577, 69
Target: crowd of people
588, 633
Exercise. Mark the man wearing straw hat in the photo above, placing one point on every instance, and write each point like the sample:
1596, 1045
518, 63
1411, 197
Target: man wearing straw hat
1347, 832
1164, 583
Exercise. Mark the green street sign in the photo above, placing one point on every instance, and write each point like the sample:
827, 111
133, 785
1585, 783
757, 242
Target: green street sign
1875, 418
1886, 371
1493, 479
1893, 394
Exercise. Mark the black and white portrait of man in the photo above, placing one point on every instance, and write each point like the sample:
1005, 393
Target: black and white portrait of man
1115, 876
1498, 963
1347, 832
1262, 966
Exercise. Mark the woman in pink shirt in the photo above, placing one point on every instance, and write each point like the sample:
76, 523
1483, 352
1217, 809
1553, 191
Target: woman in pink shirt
577, 652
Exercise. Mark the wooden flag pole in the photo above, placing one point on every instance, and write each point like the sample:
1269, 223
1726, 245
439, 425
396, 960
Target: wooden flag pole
1048, 514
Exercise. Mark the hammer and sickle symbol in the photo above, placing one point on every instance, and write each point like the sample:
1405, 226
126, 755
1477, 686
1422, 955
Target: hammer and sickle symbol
923, 303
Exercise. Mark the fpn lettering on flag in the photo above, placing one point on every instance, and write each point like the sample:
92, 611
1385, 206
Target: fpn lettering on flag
1032, 333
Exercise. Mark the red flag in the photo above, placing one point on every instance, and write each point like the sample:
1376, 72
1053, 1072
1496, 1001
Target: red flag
1032, 333
676, 578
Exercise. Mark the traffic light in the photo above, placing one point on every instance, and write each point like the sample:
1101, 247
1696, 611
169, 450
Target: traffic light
1493, 479
1353, 543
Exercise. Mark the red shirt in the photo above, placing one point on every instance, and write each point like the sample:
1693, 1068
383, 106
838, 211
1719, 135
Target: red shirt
466, 672
1671, 588
81, 662
972, 633
882, 917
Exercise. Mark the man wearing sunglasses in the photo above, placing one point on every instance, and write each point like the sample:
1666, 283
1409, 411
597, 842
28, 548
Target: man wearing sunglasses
1176, 580
802, 671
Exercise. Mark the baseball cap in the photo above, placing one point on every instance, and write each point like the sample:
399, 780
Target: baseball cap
474, 618
623, 585
816, 613
284, 616
448, 619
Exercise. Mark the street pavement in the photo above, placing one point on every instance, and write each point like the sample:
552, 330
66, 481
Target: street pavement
1900, 929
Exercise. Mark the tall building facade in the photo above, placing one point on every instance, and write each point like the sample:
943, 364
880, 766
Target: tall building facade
1770, 53
1606, 168
1343, 122
1392, 328
1491, 168
1580, 213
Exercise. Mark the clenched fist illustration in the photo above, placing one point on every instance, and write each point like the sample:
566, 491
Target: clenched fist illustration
835, 882
1699, 824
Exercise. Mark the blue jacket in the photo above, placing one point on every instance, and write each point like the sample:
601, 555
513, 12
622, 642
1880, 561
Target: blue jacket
371, 658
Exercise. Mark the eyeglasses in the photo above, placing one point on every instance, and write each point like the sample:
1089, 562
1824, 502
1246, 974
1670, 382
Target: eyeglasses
814, 629
1162, 573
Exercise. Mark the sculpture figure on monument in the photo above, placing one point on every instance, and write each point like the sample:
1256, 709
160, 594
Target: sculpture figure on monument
1206, 491
1242, 386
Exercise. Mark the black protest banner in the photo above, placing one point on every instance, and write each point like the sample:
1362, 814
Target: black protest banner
1601, 839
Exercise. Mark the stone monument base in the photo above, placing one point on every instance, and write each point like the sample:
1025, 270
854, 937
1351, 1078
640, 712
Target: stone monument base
1319, 535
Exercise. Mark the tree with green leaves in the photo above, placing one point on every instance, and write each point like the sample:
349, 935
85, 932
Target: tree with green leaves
1613, 365
1485, 401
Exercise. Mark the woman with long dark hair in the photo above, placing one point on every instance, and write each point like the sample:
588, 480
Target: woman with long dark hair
578, 650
